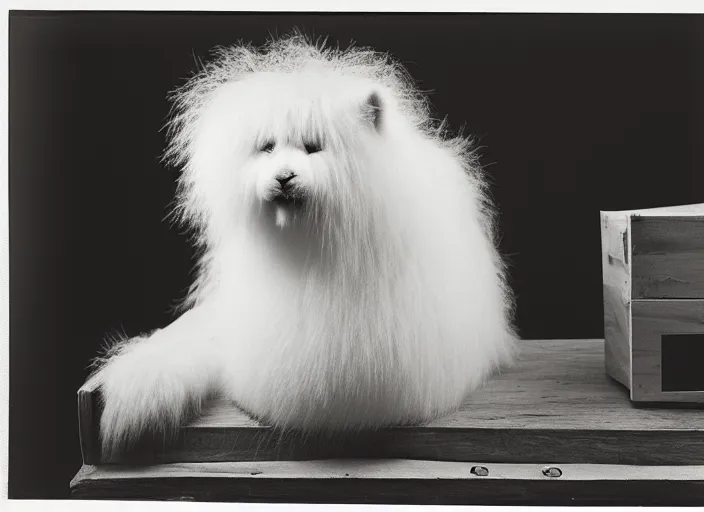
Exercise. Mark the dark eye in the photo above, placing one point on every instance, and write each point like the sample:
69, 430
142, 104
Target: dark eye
312, 147
268, 147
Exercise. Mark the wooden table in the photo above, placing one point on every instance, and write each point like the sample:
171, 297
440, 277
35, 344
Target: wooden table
555, 409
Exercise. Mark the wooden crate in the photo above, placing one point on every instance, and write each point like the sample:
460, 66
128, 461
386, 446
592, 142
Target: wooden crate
555, 408
653, 277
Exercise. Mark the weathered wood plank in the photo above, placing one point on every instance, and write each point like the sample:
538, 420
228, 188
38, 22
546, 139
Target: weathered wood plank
556, 404
668, 257
389, 469
652, 319
395, 481
675, 211
616, 272
88, 420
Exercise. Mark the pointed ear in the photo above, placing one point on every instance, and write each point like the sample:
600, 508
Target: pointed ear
372, 110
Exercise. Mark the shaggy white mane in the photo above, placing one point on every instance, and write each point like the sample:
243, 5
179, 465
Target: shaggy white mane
349, 277
292, 54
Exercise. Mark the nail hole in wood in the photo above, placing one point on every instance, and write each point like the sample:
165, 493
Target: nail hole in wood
479, 471
552, 472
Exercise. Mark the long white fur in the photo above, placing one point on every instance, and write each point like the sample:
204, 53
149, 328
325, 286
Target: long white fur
382, 300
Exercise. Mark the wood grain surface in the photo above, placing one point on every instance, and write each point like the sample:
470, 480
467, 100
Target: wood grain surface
616, 274
556, 405
669, 211
396, 481
668, 257
88, 419
652, 319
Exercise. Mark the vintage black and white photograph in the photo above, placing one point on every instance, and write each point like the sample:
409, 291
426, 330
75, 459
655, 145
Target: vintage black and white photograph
451, 258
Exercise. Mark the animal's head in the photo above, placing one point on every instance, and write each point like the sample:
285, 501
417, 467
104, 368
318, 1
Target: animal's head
289, 133
313, 136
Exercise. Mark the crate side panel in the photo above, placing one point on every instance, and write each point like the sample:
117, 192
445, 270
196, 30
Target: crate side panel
668, 257
651, 320
615, 265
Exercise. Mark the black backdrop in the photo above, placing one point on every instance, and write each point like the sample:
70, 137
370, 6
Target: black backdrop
575, 114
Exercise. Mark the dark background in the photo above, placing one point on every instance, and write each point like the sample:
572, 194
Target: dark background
575, 113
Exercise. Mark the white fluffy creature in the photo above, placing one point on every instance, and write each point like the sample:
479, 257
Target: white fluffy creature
349, 276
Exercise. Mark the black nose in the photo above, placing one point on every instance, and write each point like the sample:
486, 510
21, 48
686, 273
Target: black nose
284, 179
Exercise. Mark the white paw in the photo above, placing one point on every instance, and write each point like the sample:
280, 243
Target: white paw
142, 393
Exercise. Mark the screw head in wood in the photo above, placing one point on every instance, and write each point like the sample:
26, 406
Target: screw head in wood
552, 472
479, 471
